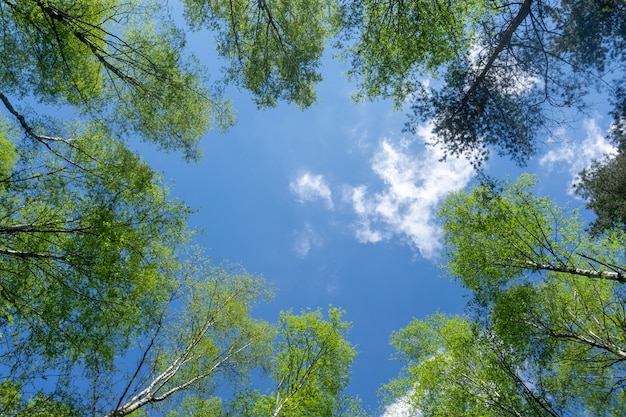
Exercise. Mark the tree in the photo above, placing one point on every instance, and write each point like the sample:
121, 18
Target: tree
89, 248
273, 47
202, 334
195, 346
497, 233
502, 65
109, 63
543, 335
310, 370
456, 367
603, 185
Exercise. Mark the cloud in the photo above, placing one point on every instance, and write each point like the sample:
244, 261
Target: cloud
401, 408
577, 155
309, 187
305, 240
413, 187
332, 288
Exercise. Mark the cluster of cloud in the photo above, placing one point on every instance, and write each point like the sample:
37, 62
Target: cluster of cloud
401, 408
310, 187
306, 239
578, 155
414, 185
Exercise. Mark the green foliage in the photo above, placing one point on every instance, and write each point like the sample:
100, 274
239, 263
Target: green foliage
401, 43
603, 185
274, 47
199, 407
8, 154
310, 369
203, 339
457, 368
87, 232
549, 350
494, 235
544, 335
112, 64
13, 404
501, 65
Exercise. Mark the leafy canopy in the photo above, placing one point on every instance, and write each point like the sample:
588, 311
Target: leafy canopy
310, 369
273, 48
543, 335
109, 63
490, 75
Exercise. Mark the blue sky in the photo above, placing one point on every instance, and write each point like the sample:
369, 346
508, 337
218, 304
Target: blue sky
335, 205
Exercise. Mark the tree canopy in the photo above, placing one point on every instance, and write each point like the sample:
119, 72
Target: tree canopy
109, 63
499, 72
490, 75
543, 335
273, 48
310, 370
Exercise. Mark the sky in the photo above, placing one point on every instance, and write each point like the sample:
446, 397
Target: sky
335, 205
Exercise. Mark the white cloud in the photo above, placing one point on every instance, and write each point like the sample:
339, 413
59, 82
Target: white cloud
332, 288
305, 240
401, 408
414, 186
309, 187
577, 155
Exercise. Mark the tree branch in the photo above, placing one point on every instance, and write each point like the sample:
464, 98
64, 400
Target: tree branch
37, 255
609, 275
504, 41
28, 128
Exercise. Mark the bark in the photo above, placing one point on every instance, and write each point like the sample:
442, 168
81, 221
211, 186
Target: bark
591, 273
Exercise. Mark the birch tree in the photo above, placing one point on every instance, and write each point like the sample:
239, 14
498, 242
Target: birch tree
454, 366
196, 348
201, 337
273, 48
310, 370
543, 333
120, 63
